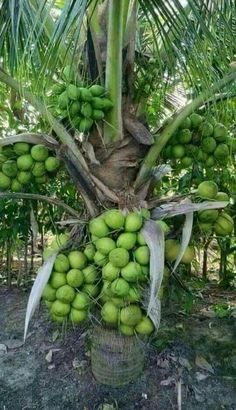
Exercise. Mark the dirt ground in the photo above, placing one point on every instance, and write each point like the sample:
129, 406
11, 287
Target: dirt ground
191, 367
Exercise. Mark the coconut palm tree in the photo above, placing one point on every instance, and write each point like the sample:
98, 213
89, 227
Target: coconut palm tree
143, 53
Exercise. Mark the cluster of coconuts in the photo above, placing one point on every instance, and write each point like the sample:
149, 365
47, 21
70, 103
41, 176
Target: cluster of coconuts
110, 275
212, 220
122, 257
200, 141
22, 163
73, 283
81, 105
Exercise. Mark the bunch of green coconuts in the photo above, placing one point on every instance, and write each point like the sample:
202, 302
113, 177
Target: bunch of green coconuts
109, 275
200, 140
22, 163
213, 220
80, 104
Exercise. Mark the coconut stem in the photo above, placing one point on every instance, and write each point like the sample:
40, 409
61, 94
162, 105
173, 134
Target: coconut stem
113, 129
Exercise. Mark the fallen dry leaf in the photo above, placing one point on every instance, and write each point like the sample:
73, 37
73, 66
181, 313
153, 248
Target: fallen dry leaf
3, 348
48, 356
201, 376
168, 381
201, 362
185, 363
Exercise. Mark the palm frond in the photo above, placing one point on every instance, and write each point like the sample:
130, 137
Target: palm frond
195, 38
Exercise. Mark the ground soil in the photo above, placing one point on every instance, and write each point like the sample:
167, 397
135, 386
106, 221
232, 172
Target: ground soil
191, 366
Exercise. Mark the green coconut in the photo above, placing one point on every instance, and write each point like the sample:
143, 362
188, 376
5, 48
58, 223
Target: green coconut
114, 219
86, 110
39, 152
3, 159
191, 150
134, 295
188, 255
186, 162
224, 224
52, 164
184, 136
201, 156
205, 227
57, 279
73, 92
97, 103
65, 294
90, 251
91, 289
38, 169
140, 239
126, 330
126, 240
145, 326
196, 120
130, 315
119, 257
60, 308
61, 263
220, 132
106, 104
81, 301
25, 162
16, 186
77, 259
145, 213
221, 152
5, 182
133, 222
97, 115
178, 151
207, 129
131, 272
110, 313
9, 168
110, 272
222, 196
207, 190
208, 145
172, 248
90, 274
120, 287
85, 94
105, 245
74, 108
142, 255
58, 319
98, 227
77, 316
97, 90
24, 177
208, 215
41, 180
63, 100
59, 241
49, 293
21, 148
100, 259
210, 162
75, 278
186, 124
